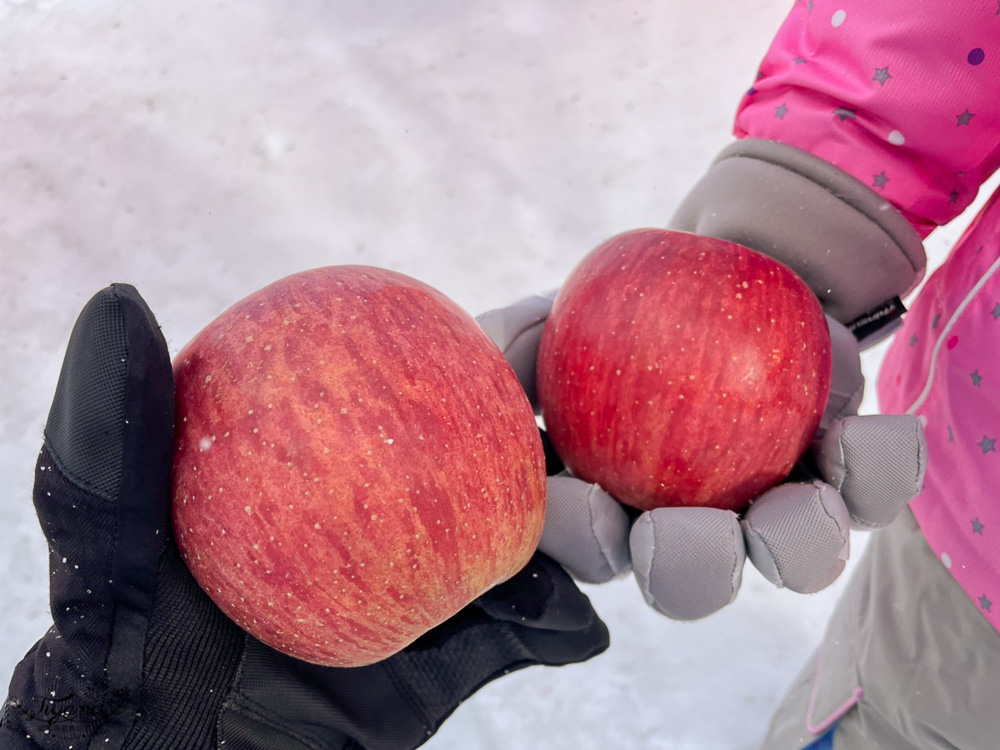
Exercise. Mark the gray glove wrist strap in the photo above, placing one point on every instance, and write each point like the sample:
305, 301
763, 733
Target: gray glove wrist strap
854, 249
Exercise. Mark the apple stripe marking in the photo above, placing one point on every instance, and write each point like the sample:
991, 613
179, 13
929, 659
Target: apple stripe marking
503, 512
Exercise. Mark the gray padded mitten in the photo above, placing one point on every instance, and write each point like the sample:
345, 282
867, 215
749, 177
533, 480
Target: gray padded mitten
688, 562
852, 247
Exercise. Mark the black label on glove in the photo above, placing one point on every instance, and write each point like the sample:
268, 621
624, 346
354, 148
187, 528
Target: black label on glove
881, 320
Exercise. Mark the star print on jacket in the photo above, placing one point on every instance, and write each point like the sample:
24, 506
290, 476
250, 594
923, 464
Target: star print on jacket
943, 365
920, 115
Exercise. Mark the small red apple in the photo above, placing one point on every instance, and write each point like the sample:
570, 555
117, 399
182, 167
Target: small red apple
677, 369
355, 462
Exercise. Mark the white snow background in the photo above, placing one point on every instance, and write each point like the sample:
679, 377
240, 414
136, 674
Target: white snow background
201, 150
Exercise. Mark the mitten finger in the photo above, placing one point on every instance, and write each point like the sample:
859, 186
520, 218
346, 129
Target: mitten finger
798, 535
103, 477
101, 493
847, 383
688, 562
877, 462
516, 330
586, 530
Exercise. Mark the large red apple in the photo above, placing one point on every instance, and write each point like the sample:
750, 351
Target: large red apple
677, 369
355, 462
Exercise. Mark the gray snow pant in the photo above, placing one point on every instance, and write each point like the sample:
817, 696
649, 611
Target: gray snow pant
907, 661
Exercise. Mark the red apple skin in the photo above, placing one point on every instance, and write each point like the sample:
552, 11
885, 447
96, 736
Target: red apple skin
679, 370
355, 462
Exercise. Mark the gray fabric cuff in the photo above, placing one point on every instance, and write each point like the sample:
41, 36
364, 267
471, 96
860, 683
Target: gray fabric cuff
852, 247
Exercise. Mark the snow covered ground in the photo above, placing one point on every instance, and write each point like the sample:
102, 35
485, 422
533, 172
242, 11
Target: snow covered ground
200, 150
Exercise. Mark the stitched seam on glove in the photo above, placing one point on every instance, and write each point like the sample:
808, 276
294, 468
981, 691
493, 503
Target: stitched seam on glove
601, 544
645, 522
74, 479
736, 576
405, 692
772, 574
252, 709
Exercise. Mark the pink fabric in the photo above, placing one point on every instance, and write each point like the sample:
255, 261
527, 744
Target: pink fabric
945, 365
901, 95
906, 98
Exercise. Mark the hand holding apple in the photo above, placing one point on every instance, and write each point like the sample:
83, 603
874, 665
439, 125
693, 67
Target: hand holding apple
680, 370
355, 462
689, 561
137, 655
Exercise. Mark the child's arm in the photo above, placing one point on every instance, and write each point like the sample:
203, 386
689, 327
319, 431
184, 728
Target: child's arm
902, 97
868, 126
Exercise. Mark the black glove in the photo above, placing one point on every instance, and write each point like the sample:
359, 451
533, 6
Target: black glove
139, 657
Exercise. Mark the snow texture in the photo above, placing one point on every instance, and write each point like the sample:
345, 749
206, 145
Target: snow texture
200, 150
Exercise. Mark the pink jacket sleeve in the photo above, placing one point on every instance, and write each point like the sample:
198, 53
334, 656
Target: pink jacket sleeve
902, 95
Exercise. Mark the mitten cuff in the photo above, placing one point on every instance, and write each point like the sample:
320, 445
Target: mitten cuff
854, 249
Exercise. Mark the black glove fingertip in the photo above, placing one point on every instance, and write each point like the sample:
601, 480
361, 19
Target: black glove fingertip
541, 596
